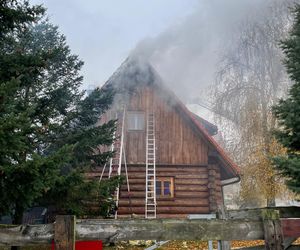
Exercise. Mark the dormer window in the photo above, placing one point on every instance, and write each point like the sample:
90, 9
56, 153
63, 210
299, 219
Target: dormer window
135, 121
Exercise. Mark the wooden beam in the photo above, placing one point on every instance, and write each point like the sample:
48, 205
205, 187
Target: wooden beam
139, 229
64, 232
26, 235
272, 230
169, 229
285, 212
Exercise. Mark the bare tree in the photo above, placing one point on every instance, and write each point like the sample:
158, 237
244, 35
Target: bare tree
250, 79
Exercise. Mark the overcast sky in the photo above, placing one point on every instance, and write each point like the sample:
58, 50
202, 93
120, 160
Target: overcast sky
182, 39
103, 32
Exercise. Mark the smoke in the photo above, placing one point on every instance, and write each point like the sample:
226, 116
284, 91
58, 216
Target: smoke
186, 54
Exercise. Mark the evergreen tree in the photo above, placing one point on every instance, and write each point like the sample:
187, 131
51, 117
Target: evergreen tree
48, 137
288, 111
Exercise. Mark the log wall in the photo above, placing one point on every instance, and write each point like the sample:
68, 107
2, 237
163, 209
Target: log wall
193, 192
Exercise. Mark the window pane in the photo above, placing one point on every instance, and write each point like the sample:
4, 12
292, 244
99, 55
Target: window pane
135, 121
167, 186
158, 187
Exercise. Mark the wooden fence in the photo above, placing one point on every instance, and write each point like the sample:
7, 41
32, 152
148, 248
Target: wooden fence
278, 227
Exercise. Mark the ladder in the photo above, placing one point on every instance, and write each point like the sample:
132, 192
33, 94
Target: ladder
150, 201
115, 163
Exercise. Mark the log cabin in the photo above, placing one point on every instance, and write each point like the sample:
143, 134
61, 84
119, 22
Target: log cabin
173, 166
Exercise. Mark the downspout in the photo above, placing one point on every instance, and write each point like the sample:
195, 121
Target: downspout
228, 182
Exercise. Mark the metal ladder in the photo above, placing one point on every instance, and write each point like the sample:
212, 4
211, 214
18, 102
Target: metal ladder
115, 163
150, 202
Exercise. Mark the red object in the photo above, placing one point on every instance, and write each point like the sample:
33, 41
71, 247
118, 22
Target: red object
85, 245
290, 227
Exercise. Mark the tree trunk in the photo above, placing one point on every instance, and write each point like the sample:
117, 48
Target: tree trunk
17, 220
271, 202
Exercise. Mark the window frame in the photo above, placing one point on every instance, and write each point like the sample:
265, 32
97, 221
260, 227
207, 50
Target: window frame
163, 180
132, 112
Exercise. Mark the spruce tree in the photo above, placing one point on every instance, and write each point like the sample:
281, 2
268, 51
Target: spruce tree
48, 132
288, 111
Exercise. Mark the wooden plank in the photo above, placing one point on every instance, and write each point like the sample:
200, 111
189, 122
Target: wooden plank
64, 232
272, 230
26, 235
169, 229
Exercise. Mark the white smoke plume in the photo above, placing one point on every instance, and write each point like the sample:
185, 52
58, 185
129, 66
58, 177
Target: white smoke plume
186, 54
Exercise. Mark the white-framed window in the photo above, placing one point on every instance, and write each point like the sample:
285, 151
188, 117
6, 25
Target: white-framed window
135, 120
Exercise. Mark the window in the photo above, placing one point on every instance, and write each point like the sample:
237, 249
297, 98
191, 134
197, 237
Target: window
165, 187
136, 120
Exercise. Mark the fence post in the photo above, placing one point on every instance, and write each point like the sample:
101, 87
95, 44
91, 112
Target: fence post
222, 214
272, 230
64, 232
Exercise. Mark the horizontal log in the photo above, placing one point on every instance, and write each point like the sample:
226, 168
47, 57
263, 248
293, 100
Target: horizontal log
191, 176
183, 202
26, 235
114, 230
178, 194
186, 194
191, 181
160, 203
191, 188
165, 210
158, 216
134, 187
135, 194
142, 175
172, 216
132, 202
137, 181
181, 187
169, 169
168, 229
255, 214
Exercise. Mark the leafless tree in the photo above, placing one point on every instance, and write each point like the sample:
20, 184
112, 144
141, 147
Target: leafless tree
249, 81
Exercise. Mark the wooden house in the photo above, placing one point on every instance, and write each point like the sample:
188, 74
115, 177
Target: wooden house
173, 166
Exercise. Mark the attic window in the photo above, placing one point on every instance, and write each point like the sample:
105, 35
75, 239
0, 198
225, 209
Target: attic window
136, 120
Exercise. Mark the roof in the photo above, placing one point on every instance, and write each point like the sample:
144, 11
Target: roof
136, 71
210, 128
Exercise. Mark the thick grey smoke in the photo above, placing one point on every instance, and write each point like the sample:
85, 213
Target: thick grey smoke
186, 54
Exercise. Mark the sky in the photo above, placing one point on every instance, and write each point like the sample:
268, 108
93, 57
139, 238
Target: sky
182, 39
104, 32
